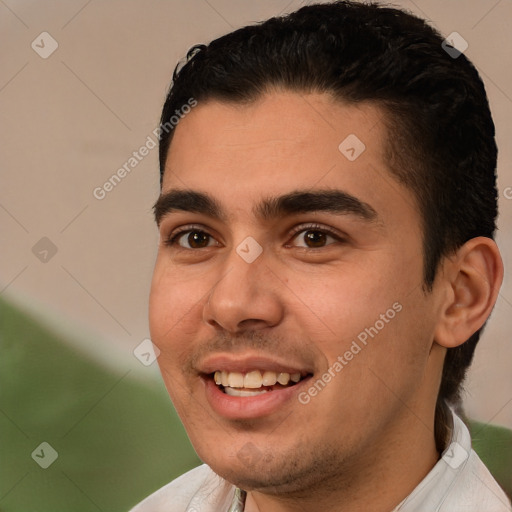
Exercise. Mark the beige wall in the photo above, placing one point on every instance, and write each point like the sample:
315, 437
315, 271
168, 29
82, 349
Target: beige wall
71, 120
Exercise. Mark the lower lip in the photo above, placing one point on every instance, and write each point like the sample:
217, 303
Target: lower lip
236, 408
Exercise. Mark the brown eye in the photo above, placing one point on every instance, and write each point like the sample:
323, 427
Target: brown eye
192, 239
198, 239
313, 238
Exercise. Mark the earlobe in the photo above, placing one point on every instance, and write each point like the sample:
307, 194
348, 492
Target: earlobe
474, 276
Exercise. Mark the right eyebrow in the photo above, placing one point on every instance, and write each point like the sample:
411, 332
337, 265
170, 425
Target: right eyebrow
187, 201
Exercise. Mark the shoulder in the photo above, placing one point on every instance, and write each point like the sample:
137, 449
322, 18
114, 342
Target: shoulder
198, 487
459, 482
470, 485
475, 489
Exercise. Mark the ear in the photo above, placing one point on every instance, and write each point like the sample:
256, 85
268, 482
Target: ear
472, 279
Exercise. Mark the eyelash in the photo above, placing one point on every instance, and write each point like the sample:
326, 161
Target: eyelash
172, 239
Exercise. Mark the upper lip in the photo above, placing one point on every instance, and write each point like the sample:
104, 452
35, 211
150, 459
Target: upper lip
244, 364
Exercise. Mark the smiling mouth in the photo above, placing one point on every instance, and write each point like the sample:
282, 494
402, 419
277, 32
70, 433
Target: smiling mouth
255, 382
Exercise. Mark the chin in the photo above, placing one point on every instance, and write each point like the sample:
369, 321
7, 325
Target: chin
271, 472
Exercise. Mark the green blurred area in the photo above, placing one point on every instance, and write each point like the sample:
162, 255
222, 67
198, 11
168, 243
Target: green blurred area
494, 446
118, 439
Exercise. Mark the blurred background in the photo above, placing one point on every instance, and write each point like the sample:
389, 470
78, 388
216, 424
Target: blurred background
85, 424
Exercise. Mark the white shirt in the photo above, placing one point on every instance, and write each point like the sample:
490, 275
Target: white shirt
459, 482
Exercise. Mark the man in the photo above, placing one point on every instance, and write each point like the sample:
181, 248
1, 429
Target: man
326, 266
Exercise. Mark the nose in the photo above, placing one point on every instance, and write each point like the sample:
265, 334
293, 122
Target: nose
245, 298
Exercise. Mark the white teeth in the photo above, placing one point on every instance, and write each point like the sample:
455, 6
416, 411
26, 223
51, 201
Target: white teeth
253, 380
283, 378
243, 392
235, 380
269, 378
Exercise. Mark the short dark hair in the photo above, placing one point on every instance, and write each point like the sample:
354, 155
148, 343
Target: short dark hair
440, 133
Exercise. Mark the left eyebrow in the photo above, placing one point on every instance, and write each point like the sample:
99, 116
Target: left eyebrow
332, 201
300, 201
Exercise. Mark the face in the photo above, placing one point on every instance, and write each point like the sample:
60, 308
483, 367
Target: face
286, 301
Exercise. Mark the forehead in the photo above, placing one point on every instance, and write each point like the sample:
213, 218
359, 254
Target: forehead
284, 141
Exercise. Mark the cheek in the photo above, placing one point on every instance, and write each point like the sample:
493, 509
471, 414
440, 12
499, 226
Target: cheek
171, 305
173, 308
371, 312
345, 302
395, 353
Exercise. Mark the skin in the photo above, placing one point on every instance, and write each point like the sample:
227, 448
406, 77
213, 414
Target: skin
372, 426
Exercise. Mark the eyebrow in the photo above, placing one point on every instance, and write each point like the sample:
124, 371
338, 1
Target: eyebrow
299, 201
